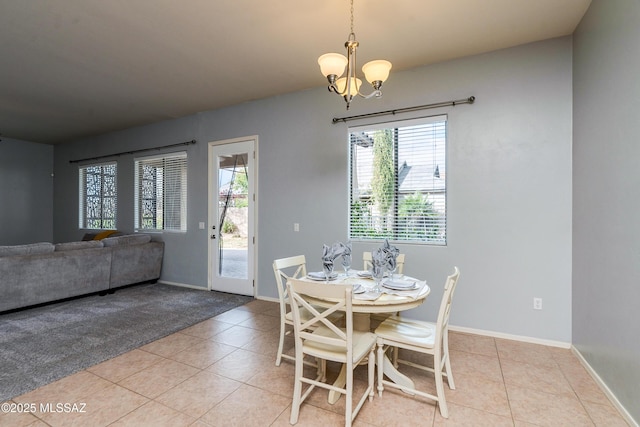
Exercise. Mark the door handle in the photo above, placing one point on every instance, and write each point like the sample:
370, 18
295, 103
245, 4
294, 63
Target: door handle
213, 236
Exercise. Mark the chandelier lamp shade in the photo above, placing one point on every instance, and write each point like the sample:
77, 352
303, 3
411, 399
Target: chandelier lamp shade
333, 66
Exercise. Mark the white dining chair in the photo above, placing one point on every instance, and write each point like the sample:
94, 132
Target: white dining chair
422, 337
284, 269
328, 341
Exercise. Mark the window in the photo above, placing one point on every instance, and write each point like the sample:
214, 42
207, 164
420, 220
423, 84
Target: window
398, 181
98, 196
161, 192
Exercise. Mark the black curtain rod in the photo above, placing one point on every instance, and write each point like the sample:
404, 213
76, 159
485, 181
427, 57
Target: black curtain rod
193, 141
469, 100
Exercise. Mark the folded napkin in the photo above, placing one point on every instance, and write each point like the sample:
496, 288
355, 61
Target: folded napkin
390, 254
367, 296
346, 255
378, 263
413, 294
329, 254
387, 247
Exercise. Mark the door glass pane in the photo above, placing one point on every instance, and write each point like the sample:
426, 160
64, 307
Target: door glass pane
233, 214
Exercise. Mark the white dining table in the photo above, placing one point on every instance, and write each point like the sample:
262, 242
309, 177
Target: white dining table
363, 307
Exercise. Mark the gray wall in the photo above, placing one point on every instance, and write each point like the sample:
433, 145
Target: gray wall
26, 192
606, 179
509, 178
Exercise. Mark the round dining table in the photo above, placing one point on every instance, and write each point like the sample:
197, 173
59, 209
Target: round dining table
365, 304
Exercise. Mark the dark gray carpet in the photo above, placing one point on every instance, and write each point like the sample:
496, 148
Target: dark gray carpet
43, 344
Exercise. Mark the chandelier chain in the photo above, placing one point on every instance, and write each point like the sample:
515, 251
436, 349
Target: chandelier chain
351, 16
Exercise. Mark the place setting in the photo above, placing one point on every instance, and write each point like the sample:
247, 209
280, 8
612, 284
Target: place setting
321, 276
329, 255
379, 279
383, 272
408, 287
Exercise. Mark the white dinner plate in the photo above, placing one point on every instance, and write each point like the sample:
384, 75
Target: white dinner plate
359, 289
364, 273
403, 285
319, 275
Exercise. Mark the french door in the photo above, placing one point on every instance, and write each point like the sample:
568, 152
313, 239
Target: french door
232, 198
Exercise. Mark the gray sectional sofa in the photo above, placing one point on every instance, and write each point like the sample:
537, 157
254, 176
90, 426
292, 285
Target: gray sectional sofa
44, 272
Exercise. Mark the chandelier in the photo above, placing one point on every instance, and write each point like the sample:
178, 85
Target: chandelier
332, 66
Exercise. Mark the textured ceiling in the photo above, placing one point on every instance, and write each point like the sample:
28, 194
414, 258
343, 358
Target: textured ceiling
75, 68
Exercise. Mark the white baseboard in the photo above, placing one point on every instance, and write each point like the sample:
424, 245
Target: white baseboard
521, 338
492, 334
605, 389
182, 285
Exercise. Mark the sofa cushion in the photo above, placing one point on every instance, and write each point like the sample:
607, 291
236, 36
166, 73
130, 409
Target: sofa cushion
107, 233
30, 249
72, 246
127, 240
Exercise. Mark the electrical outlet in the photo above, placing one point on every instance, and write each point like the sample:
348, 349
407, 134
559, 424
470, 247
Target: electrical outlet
296, 226
537, 303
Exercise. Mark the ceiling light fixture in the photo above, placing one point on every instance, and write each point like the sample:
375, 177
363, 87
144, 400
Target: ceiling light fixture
332, 66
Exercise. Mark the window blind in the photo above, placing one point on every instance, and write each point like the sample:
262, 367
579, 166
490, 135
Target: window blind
161, 192
398, 181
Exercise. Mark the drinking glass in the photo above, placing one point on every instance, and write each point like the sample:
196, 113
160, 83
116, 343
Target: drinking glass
392, 266
327, 267
377, 273
346, 264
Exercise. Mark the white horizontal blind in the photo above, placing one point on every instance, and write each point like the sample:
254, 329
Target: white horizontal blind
398, 181
98, 196
161, 192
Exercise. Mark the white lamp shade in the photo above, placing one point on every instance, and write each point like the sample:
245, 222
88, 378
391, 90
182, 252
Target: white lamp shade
332, 63
342, 83
376, 70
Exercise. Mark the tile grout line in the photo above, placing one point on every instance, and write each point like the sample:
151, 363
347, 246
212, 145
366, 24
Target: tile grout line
504, 382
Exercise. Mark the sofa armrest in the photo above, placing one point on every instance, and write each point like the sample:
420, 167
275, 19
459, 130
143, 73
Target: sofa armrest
135, 263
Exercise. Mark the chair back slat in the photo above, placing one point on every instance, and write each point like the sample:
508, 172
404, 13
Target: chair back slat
336, 298
318, 316
282, 270
445, 304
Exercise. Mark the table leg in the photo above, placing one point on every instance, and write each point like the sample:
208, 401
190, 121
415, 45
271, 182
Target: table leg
396, 376
339, 382
361, 322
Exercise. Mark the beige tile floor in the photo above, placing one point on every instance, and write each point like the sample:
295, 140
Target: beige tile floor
221, 372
